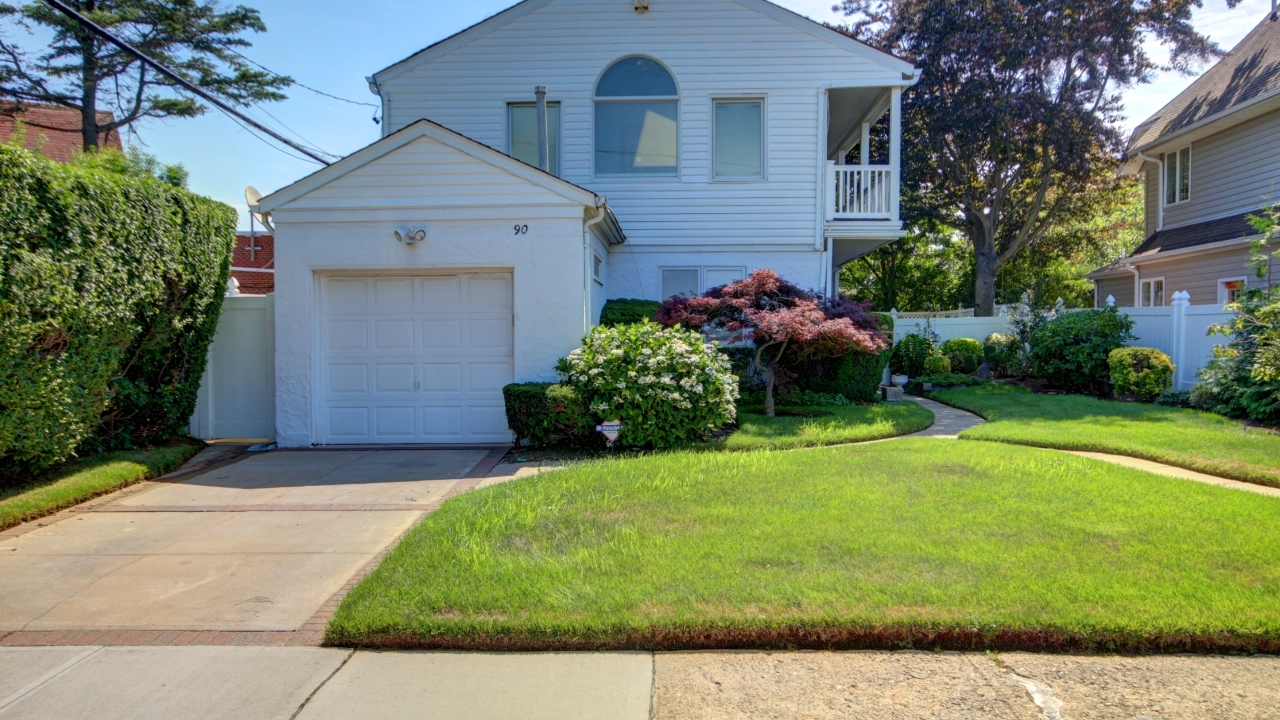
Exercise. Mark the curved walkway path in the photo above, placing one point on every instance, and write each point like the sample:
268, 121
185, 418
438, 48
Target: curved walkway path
949, 422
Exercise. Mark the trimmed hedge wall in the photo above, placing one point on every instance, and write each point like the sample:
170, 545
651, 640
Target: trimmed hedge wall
625, 312
110, 289
547, 413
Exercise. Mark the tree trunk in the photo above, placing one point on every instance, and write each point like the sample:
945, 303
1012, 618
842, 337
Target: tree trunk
986, 265
88, 92
769, 408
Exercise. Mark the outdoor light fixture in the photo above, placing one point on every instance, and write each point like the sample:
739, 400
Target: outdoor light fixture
642, 6
409, 236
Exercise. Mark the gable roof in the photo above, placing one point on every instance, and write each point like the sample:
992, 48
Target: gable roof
425, 128
526, 7
1250, 73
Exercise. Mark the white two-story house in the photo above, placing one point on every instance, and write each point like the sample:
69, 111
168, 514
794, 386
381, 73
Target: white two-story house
687, 143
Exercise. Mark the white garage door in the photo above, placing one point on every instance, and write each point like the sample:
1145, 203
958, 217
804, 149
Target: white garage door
415, 359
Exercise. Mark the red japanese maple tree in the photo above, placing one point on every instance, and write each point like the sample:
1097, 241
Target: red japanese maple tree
778, 317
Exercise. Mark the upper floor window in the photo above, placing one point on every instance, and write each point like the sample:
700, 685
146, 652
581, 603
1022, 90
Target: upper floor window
522, 134
739, 139
637, 116
1152, 293
1177, 176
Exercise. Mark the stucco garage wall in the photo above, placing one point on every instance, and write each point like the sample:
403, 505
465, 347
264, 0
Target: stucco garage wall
636, 271
546, 265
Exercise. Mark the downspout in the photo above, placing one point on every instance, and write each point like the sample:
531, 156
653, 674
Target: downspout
376, 89
601, 204
1159, 191
1137, 285
544, 150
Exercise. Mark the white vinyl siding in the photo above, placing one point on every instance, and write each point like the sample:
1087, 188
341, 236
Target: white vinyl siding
714, 49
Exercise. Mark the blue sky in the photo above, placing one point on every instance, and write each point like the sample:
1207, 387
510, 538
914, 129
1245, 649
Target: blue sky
332, 45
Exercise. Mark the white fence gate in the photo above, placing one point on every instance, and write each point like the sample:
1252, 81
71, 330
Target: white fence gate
237, 396
1180, 330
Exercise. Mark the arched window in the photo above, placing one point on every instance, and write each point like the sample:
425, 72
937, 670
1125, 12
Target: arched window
637, 115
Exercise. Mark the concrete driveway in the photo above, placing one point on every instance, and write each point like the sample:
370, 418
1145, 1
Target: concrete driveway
262, 544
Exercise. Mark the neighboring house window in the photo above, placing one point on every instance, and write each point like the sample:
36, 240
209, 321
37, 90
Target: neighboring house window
1177, 176
691, 281
522, 136
597, 268
1153, 292
637, 115
1229, 291
739, 139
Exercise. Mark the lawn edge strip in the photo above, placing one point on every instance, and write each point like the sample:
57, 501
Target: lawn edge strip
1207, 469
56, 508
831, 638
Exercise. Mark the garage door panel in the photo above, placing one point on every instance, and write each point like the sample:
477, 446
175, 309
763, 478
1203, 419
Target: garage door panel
349, 423
442, 378
349, 378
347, 335
395, 422
442, 422
394, 377
416, 358
441, 292
441, 334
393, 335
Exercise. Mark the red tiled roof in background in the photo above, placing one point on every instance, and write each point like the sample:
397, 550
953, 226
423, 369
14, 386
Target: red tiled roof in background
54, 130
254, 251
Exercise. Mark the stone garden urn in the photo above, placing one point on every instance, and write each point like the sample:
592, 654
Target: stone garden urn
900, 380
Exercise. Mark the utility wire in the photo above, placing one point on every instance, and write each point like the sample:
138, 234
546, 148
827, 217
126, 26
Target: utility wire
190, 87
264, 68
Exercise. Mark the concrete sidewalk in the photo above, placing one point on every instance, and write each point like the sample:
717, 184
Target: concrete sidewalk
217, 683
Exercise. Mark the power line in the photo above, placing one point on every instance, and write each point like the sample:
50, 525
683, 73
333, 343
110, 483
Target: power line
190, 87
260, 66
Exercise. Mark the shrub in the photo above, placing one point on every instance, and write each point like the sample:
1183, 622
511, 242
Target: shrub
856, 375
808, 398
937, 365
110, 289
909, 355
1071, 351
625, 312
1003, 354
965, 354
1145, 372
547, 413
1174, 398
947, 380
666, 385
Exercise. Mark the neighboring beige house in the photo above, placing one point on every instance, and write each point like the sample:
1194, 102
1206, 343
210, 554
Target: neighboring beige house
1209, 158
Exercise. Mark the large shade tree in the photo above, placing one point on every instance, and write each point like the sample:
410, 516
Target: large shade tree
782, 320
76, 69
1016, 116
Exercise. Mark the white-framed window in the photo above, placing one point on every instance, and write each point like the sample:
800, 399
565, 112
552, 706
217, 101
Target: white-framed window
637, 120
522, 134
695, 280
738, 139
1230, 289
597, 268
1153, 292
1177, 176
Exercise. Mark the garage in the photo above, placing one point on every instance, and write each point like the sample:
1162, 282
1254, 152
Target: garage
415, 358
419, 276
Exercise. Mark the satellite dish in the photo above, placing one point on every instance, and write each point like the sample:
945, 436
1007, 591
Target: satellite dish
252, 197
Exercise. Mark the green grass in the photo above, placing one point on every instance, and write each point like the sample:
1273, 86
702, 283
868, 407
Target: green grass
85, 478
925, 542
1185, 438
837, 425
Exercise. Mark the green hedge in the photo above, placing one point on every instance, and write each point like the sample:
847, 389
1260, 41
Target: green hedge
625, 312
1071, 351
856, 375
110, 288
547, 413
1145, 372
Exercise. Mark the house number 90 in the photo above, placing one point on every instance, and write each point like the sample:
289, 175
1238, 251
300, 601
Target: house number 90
522, 229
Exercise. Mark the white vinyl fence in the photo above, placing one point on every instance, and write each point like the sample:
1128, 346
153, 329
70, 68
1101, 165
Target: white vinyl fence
237, 393
1180, 330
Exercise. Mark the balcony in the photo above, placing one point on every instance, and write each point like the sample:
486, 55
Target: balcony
860, 192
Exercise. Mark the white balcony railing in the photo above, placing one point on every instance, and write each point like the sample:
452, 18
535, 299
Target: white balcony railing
860, 192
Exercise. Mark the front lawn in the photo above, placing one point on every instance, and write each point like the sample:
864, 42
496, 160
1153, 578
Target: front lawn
922, 542
830, 425
1185, 438
86, 478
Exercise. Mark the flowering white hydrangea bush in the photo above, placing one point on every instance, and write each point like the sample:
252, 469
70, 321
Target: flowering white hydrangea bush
667, 386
